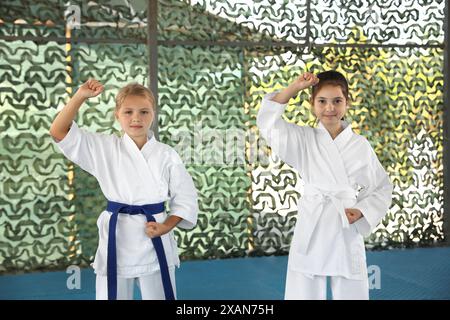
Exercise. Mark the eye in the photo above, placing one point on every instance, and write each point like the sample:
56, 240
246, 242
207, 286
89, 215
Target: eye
144, 112
127, 112
321, 100
338, 101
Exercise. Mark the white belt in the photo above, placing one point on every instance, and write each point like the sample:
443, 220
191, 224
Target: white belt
322, 194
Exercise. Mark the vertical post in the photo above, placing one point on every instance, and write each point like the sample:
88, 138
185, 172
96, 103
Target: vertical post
446, 119
152, 44
308, 26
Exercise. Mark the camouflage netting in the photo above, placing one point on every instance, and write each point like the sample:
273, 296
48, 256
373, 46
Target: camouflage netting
216, 59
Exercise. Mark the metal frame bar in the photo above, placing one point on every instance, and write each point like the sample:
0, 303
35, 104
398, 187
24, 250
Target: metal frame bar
446, 129
308, 25
246, 44
152, 44
74, 39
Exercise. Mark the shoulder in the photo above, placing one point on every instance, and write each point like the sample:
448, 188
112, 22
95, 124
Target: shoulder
363, 145
311, 130
167, 152
303, 129
104, 140
81, 135
362, 140
162, 147
107, 137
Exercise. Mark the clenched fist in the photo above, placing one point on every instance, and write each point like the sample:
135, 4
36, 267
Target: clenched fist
353, 215
89, 89
305, 80
155, 229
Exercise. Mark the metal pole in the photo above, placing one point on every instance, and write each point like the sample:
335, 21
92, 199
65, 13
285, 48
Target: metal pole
245, 44
446, 133
152, 44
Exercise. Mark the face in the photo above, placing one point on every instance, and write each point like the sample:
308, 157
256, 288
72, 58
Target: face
330, 105
135, 116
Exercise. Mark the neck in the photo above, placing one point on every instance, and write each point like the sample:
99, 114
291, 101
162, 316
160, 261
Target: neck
140, 141
334, 129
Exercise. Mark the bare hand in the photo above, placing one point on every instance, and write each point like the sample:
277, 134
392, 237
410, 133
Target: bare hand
353, 215
155, 229
89, 89
305, 80
302, 82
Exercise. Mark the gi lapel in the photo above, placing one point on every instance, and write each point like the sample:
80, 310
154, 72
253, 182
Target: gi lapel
139, 160
333, 148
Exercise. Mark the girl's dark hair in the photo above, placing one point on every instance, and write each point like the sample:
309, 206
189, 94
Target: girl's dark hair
333, 78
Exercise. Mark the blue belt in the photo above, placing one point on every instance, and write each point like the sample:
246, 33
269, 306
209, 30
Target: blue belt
148, 210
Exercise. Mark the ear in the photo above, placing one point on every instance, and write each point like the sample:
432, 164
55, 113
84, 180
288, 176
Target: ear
311, 102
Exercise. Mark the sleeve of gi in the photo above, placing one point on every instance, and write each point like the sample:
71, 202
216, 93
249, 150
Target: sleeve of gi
80, 147
183, 194
287, 140
375, 199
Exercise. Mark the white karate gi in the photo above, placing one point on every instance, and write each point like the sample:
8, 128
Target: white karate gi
136, 177
324, 243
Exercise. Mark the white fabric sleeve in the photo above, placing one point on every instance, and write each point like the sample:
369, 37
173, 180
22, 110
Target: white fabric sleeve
287, 140
80, 146
183, 201
374, 201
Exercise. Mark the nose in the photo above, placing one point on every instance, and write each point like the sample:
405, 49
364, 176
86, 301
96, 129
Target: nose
329, 106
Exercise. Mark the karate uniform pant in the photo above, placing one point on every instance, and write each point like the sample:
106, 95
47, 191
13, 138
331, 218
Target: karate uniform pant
302, 287
151, 286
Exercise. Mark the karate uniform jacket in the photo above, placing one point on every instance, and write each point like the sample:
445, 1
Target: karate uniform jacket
338, 174
136, 177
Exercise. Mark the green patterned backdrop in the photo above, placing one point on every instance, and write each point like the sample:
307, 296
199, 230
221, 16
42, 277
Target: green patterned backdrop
216, 60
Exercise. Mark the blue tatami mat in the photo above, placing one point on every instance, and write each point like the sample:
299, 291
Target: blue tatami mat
404, 274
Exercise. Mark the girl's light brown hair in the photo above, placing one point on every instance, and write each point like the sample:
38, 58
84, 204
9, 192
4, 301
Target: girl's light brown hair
134, 89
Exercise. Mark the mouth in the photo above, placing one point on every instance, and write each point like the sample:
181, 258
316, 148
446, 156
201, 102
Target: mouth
136, 127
